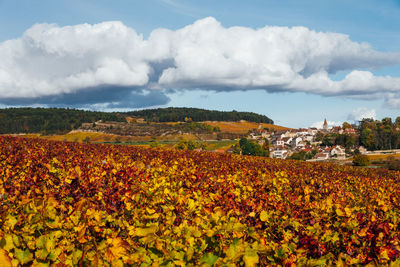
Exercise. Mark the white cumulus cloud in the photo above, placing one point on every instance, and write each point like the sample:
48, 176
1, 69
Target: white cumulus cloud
362, 113
52, 61
319, 124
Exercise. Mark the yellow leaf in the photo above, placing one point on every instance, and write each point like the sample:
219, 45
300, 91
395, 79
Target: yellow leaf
41, 254
348, 211
384, 256
307, 190
150, 211
363, 232
250, 258
11, 221
4, 259
78, 171
191, 204
117, 249
50, 244
339, 212
146, 231
264, 216
39, 264
329, 202
7, 242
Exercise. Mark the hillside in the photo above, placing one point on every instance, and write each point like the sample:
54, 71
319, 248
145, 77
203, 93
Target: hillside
198, 115
49, 120
61, 121
95, 204
242, 127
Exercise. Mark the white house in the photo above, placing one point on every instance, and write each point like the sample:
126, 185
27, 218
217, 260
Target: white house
322, 156
362, 150
339, 151
287, 140
308, 138
296, 141
301, 132
279, 142
312, 131
280, 154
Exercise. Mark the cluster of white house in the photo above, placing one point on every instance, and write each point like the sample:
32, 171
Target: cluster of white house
284, 143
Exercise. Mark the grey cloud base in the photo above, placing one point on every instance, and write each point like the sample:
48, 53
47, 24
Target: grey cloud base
109, 64
101, 97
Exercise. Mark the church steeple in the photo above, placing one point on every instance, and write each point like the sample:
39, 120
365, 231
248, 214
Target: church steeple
325, 127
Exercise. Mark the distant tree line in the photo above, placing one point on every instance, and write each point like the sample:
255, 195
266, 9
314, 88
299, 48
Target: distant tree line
380, 135
372, 134
49, 120
197, 115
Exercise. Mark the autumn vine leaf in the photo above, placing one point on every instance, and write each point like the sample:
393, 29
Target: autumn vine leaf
71, 204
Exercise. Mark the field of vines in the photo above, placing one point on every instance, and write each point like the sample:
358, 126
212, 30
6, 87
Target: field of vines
72, 204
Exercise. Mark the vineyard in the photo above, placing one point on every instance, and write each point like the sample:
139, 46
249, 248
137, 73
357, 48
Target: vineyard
243, 127
65, 203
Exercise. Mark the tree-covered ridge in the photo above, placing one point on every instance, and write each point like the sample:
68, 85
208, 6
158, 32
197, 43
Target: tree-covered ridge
49, 120
180, 114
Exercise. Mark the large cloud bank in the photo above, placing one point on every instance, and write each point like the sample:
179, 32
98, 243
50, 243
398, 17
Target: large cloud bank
111, 64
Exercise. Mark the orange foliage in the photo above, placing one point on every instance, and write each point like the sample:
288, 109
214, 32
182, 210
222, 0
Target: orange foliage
66, 203
243, 126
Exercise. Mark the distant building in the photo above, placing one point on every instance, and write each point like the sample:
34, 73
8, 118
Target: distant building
338, 152
322, 156
280, 154
350, 131
337, 129
362, 150
325, 127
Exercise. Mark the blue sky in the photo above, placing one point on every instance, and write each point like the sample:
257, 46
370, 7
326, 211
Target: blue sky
293, 102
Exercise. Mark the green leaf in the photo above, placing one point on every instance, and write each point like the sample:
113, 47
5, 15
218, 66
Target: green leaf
41, 254
54, 254
24, 256
335, 237
16, 240
235, 250
281, 254
209, 259
41, 242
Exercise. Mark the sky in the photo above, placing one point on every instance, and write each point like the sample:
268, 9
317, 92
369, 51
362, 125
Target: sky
297, 62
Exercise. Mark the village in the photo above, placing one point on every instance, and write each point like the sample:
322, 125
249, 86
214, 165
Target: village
284, 144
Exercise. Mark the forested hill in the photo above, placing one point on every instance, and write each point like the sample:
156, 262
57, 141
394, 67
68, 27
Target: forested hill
197, 115
49, 120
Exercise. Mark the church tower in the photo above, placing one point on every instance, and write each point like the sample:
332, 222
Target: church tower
325, 127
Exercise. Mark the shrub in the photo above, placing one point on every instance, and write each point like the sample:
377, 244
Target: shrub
361, 160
